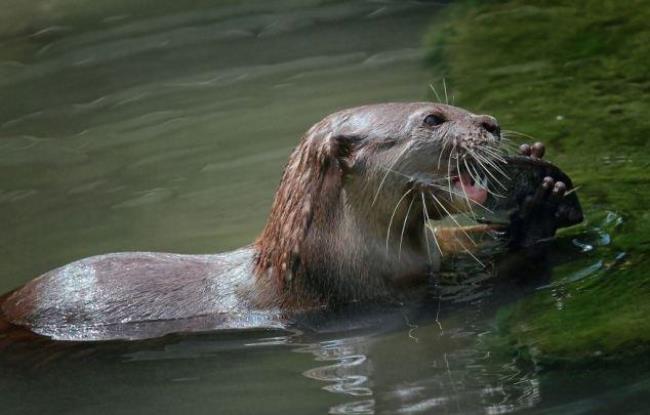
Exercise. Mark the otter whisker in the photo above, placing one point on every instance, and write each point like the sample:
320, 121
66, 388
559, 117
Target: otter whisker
406, 176
461, 195
440, 214
426, 238
453, 149
445, 142
493, 153
520, 134
507, 136
444, 85
517, 134
435, 92
435, 205
487, 189
436, 200
489, 173
507, 145
467, 199
462, 214
480, 160
444, 146
472, 255
466, 234
496, 151
476, 176
446, 213
483, 160
506, 140
399, 173
473, 172
390, 222
575, 189
383, 180
427, 226
401, 237
494, 165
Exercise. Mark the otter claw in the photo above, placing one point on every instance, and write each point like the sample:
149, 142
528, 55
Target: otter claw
547, 182
535, 151
559, 190
538, 150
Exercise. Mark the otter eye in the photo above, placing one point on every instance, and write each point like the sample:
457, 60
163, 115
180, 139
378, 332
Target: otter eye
433, 120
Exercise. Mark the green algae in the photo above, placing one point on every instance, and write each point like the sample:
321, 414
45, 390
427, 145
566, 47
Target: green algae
574, 75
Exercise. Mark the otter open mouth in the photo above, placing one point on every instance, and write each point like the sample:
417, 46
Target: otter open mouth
465, 184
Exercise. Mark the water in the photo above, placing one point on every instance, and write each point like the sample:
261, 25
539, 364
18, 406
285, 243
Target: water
170, 132
166, 128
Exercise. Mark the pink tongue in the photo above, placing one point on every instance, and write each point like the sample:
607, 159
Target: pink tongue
463, 183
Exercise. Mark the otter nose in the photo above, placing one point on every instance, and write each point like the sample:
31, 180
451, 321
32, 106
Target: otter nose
490, 124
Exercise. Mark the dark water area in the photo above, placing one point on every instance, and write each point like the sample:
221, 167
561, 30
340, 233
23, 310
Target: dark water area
165, 127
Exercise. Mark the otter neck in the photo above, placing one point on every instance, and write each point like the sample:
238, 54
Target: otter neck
320, 248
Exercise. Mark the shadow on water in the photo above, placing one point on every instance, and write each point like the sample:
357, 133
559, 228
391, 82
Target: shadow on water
165, 128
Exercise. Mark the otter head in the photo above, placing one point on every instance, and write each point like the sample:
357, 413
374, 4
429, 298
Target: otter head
348, 218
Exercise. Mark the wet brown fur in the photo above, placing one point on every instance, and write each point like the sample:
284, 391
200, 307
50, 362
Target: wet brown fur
289, 249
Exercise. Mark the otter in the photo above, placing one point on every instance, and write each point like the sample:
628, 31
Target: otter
347, 225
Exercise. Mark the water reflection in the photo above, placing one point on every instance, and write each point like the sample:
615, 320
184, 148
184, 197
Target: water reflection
425, 369
348, 357
347, 374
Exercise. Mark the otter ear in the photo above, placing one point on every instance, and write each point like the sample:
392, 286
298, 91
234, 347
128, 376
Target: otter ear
343, 148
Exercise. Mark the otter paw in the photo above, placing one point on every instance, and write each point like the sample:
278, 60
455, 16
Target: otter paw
547, 195
536, 218
535, 151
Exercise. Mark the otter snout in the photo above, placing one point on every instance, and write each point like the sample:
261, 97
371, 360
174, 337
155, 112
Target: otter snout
471, 131
489, 124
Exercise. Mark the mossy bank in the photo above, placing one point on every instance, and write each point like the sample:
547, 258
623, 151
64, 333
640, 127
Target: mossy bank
574, 75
